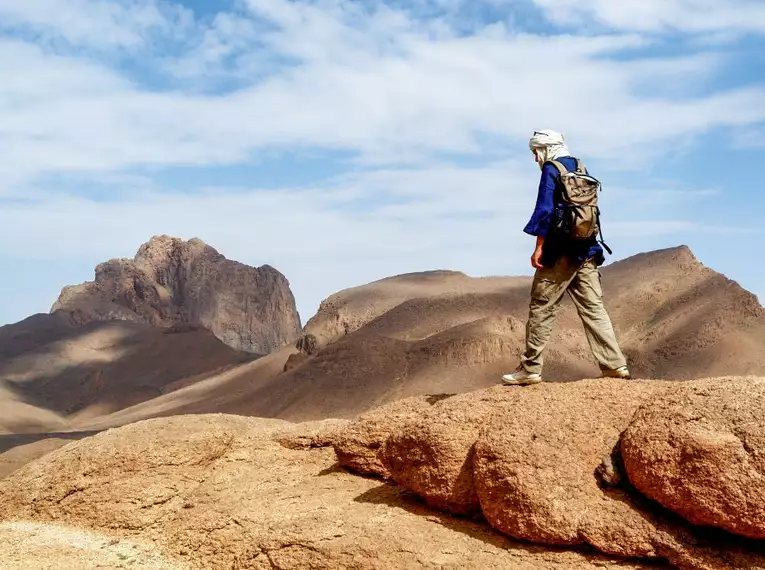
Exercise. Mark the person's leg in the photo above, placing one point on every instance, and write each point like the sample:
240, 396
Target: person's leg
587, 293
547, 290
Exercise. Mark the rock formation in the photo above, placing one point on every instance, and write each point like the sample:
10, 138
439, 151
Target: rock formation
699, 450
175, 283
218, 491
361, 446
544, 464
537, 454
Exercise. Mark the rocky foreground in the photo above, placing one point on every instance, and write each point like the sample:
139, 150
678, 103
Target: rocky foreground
598, 473
624, 467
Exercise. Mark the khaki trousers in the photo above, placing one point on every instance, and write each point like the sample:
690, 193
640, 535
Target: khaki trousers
583, 284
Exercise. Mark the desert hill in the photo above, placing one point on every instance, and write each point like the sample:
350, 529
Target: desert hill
667, 307
445, 332
171, 282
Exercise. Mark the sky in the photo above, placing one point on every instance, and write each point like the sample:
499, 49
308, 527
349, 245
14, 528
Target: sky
345, 141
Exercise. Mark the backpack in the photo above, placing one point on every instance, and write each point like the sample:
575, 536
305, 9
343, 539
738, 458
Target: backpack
580, 218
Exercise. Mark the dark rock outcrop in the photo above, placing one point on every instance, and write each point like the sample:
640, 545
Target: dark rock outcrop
176, 283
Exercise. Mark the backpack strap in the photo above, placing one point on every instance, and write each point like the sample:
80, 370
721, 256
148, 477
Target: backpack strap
562, 169
600, 232
559, 165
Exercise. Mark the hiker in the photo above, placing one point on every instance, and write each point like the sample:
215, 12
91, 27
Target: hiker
567, 258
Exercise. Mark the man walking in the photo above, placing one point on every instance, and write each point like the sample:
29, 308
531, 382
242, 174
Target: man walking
564, 264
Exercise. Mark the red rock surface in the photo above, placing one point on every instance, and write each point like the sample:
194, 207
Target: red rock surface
218, 491
544, 465
699, 450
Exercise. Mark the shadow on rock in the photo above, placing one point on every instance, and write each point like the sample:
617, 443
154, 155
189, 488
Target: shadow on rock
478, 529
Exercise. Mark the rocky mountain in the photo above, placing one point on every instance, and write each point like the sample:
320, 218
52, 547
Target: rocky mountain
144, 328
175, 283
445, 332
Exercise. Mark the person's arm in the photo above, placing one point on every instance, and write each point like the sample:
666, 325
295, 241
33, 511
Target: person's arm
536, 257
541, 219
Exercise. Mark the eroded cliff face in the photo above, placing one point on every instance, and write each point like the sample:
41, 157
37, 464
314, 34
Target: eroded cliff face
176, 283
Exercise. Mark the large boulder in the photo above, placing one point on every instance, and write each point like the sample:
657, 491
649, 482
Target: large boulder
699, 450
543, 464
536, 463
218, 492
547, 468
175, 284
360, 445
432, 453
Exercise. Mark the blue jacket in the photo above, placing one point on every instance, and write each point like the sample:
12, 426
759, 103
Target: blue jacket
544, 214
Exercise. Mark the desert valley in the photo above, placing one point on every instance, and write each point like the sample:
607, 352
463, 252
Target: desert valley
177, 413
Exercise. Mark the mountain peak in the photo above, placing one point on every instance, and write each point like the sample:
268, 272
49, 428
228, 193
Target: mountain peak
173, 282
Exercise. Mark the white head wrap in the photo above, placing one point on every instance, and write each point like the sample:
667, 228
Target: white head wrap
549, 145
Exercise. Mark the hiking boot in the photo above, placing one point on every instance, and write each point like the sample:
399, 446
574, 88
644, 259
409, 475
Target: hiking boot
621, 372
521, 378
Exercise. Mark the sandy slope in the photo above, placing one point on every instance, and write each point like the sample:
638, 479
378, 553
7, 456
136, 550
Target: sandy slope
52, 372
40, 546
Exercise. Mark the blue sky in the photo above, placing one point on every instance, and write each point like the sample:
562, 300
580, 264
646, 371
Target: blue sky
344, 141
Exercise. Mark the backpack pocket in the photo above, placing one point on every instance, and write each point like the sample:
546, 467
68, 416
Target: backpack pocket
577, 222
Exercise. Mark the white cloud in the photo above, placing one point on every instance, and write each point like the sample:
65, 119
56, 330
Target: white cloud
325, 238
97, 24
750, 138
383, 85
378, 92
696, 16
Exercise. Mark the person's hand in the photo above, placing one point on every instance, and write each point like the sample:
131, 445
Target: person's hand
536, 259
